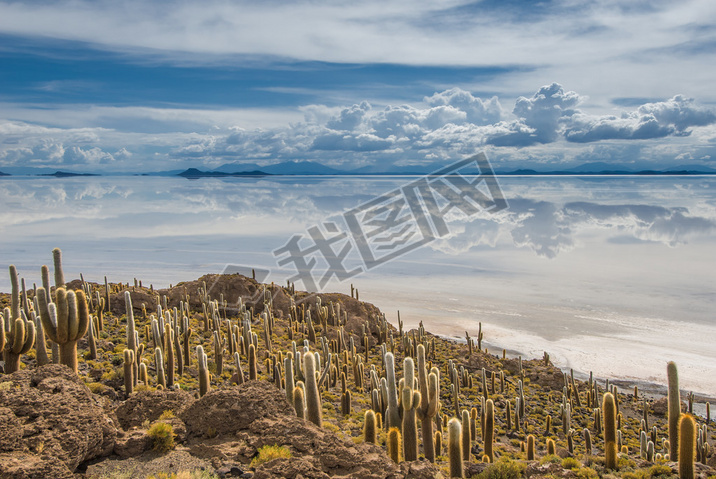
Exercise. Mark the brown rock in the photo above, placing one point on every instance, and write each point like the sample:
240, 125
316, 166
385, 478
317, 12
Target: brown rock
289, 469
422, 469
661, 406
256, 414
226, 411
10, 430
58, 414
24, 465
132, 443
149, 405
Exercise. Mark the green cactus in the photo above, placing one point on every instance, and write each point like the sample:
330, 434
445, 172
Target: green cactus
253, 363
290, 381
15, 296
59, 274
429, 401
159, 366
455, 453
19, 339
394, 443
314, 411
204, 377
438, 443
530, 448
91, 339
219, 349
299, 402
466, 438
143, 374
551, 447
410, 400
370, 427
674, 408
128, 371
610, 431
587, 440
169, 335
392, 413
65, 321
687, 446
346, 403
489, 429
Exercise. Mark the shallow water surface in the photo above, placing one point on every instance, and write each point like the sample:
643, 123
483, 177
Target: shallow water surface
613, 275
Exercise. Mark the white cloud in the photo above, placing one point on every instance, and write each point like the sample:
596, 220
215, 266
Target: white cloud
552, 128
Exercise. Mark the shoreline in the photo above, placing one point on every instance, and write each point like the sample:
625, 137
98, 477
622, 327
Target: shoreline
649, 389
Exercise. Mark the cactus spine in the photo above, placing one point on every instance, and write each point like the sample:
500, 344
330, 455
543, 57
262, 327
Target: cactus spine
489, 429
370, 427
610, 431
455, 448
674, 410
687, 446
314, 411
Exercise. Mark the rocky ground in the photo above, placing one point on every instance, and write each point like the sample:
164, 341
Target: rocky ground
58, 424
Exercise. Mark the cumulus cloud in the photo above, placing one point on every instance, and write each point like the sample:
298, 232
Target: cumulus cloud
651, 120
538, 131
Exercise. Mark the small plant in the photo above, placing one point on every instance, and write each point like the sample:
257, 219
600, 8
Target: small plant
268, 453
503, 469
570, 463
168, 414
161, 436
660, 471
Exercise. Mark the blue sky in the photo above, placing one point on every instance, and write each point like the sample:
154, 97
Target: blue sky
147, 86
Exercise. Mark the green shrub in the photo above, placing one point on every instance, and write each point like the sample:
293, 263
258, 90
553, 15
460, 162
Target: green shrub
660, 471
161, 436
570, 463
503, 469
267, 453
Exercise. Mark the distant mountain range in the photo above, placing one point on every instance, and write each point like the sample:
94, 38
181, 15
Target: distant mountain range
300, 168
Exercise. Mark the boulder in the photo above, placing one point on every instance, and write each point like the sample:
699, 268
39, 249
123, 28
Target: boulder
59, 419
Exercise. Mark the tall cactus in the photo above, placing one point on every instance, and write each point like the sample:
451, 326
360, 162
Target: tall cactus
19, 339
530, 448
687, 446
204, 377
466, 438
314, 412
370, 427
394, 442
66, 321
392, 414
128, 371
610, 431
429, 402
674, 402
411, 401
59, 273
455, 448
489, 429
159, 366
